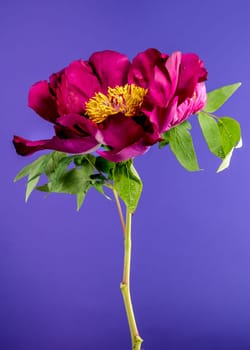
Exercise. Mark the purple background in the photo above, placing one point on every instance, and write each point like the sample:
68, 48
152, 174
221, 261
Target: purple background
60, 269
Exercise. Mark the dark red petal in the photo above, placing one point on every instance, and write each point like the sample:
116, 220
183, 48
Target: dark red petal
26, 147
111, 68
42, 101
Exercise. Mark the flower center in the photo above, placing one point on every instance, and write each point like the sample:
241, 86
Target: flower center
125, 99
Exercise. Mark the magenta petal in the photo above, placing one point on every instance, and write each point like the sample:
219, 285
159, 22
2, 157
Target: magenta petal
200, 97
163, 117
78, 84
118, 132
26, 147
173, 67
163, 85
158, 73
78, 124
81, 85
142, 69
192, 105
192, 71
42, 101
126, 153
74, 145
111, 67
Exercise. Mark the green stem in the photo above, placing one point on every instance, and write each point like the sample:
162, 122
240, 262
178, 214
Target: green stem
118, 204
125, 286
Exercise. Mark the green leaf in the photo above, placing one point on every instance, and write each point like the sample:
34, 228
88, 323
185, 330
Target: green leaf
74, 181
78, 187
31, 185
46, 164
221, 136
103, 165
43, 188
231, 139
165, 141
181, 145
54, 160
69, 181
230, 133
68, 174
225, 162
128, 184
88, 167
36, 167
99, 187
211, 133
81, 196
59, 168
82, 159
33, 171
216, 98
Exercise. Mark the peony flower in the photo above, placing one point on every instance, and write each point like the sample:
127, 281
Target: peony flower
109, 101
120, 109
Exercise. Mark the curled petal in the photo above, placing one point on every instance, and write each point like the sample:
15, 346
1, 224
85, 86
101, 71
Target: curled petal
26, 147
42, 101
111, 68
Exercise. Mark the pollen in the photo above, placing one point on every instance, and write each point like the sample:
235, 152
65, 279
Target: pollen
125, 99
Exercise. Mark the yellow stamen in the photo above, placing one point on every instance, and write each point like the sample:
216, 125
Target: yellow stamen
125, 99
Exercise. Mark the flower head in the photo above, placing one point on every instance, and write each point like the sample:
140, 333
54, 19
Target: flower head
110, 101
